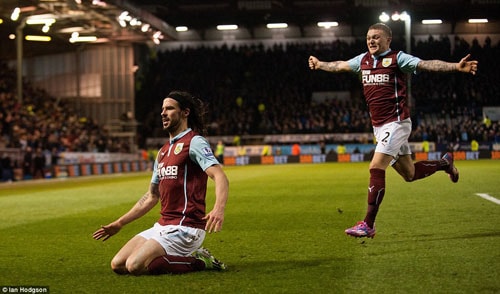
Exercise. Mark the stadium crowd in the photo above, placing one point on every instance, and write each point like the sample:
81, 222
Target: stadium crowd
254, 89
42, 126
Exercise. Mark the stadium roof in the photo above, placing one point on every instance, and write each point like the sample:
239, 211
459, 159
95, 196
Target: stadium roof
146, 19
208, 13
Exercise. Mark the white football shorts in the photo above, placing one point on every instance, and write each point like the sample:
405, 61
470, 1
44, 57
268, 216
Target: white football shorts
176, 240
392, 138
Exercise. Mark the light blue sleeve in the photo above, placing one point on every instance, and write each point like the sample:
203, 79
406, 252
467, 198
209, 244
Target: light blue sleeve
155, 179
201, 152
408, 63
355, 62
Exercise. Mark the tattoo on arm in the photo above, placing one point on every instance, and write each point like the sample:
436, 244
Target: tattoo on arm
437, 65
332, 66
154, 191
143, 199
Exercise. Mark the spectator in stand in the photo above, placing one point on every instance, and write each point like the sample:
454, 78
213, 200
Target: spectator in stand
341, 149
54, 160
28, 163
39, 164
474, 145
219, 151
7, 168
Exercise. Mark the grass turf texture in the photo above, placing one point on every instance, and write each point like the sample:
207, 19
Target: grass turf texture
283, 233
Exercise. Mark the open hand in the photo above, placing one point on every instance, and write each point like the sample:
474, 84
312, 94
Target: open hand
106, 232
214, 220
467, 66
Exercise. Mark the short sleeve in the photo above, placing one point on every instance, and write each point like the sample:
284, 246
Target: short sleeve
355, 62
407, 63
201, 152
154, 178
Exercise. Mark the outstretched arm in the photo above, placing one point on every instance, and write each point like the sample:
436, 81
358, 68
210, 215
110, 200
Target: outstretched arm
332, 66
215, 218
145, 204
465, 65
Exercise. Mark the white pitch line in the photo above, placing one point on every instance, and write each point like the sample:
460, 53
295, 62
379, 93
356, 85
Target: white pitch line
488, 197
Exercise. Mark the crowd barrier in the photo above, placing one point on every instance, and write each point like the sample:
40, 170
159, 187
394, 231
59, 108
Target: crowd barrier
87, 169
69, 170
350, 157
98, 168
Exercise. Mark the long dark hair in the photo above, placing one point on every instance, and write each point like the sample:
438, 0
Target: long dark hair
197, 110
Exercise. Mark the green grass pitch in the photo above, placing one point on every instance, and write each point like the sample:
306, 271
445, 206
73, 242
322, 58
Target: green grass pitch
283, 233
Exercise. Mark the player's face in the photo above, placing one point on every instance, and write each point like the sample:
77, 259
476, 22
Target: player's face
172, 116
377, 41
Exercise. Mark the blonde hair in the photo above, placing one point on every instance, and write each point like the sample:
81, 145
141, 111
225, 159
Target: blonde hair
383, 27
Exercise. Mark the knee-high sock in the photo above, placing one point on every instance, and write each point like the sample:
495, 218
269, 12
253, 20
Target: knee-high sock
376, 191
169, 264
425, 168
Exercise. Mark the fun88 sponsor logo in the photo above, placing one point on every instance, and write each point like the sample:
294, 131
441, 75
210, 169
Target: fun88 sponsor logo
168, 172
375, 79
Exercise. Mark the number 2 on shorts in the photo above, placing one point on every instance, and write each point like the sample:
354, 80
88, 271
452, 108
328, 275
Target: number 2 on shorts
387, 134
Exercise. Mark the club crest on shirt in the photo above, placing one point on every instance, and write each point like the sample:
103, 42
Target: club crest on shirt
178, 148
386, 62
